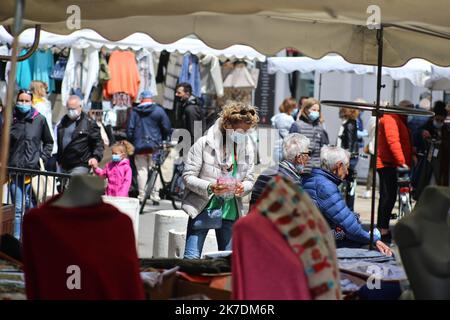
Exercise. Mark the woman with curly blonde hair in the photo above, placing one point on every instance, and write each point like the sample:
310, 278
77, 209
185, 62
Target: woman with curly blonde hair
225, 153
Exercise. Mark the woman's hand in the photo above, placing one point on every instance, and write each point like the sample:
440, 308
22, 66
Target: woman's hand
384, 249
239, 189
218, 189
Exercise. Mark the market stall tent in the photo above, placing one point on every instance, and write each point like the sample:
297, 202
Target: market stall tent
86, 38
314, 27
418, 71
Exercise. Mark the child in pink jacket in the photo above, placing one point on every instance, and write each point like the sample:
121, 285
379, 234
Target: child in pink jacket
118, 171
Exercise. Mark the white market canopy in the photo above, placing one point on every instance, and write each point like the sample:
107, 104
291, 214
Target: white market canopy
412, 29
420, 72
82, 39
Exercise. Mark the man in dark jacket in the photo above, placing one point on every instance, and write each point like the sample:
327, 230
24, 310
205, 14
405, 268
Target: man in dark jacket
191, 110
80, 144
148, 126
322, 187
295, 157
433, 147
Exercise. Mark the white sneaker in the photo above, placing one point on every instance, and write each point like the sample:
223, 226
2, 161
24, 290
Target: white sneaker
155, 196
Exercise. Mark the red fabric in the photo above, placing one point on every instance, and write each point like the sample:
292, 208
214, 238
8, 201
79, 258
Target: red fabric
99, 239
119, 177
264, 267
124, 74
394, 142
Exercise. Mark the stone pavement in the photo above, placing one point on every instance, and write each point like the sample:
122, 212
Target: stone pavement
146, 222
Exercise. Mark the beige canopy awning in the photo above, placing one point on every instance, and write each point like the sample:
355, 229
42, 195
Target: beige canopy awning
314, 27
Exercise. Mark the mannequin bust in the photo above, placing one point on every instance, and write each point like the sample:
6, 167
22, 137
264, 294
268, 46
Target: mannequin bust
423, 239
82, 191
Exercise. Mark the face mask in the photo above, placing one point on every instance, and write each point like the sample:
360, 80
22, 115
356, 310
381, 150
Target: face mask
23, 108
238, 137
72, 114
314, 115
116, 157
299, 168
437, 125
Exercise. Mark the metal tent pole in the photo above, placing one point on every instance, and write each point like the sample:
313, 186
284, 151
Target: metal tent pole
377, 115
19, 10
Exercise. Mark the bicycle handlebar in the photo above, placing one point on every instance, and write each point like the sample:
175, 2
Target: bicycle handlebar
403, 170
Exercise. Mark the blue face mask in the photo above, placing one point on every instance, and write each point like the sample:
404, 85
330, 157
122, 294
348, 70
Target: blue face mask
116, 157
23, 108
299, 168
238, 137
314, 115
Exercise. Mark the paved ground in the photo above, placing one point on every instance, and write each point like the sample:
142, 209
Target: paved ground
362, 206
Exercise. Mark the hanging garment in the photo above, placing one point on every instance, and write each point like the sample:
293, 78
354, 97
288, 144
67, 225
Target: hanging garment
59, 69
4, 52
44, 107
23, 72
103, 77
306, 232
190, 73
41, 63
3, 89
257, 243
211, 75
146, 72
81, 73
121, 100
173, 70
97, 240
162, 66
124, 74
242, 77
236, 94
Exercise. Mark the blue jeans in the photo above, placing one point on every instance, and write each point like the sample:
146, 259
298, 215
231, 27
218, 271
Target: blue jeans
195, 239
17, 189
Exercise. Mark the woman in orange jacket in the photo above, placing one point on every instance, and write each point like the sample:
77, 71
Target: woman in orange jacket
394, 150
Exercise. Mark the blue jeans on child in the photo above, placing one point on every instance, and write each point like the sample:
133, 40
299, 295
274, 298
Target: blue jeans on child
17, 189
195, 239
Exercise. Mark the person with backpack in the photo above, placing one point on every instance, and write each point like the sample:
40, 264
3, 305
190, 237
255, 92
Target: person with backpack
148, 127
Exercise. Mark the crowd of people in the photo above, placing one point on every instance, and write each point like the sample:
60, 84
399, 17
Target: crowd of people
225, 152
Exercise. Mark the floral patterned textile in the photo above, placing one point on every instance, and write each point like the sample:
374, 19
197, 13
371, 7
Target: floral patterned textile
306, 231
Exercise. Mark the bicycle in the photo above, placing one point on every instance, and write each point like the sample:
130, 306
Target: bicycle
404, 193
172, 190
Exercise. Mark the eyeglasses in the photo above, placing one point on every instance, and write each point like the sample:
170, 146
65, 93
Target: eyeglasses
245, 111
25, 91
305, 154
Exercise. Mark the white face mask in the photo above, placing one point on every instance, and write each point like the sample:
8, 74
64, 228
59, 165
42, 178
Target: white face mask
73, 114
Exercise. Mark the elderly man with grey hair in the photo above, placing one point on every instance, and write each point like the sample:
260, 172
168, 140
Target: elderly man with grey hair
295, 156
322, 187
80, 144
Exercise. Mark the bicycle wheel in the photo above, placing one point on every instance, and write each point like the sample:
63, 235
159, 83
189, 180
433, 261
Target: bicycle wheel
177, 190
148, 188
